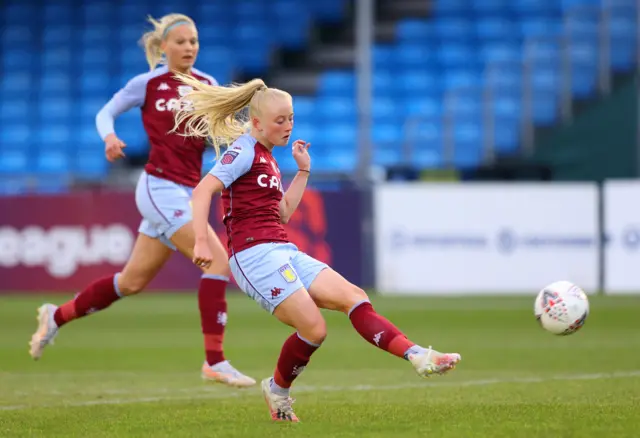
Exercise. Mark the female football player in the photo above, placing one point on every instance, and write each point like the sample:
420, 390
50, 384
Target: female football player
163, 197
286, 282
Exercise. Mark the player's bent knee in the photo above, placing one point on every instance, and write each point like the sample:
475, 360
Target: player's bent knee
351, 297
315, 333
130, 286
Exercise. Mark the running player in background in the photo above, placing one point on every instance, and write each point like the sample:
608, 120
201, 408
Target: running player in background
163, 197
284, 281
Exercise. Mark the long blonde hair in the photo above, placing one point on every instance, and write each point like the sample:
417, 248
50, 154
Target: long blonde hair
219, 112
152, 40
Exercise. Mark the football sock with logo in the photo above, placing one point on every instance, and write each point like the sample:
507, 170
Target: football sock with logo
97, 296
294, 357
378, 331
213, 315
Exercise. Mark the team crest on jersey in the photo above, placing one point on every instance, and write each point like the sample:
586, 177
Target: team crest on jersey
183, 90
228, 157
288, 273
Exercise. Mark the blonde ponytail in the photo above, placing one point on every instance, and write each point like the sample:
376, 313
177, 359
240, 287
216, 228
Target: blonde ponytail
152, 40
217, 112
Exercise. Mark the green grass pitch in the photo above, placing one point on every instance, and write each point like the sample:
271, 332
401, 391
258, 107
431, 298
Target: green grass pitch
134, 371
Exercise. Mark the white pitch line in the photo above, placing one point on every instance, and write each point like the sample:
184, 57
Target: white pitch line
311, 388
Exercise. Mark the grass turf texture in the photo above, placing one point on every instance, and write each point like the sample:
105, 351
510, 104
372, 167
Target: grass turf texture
134, 371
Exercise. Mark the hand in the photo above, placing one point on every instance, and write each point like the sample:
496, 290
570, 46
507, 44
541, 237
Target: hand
202, 255
301, 154
113, 147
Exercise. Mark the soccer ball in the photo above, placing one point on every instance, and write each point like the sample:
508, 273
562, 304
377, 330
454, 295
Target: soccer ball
561, 308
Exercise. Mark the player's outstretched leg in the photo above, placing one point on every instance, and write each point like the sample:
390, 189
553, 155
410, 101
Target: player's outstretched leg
212, 303
147, 258
300, 312
332, 291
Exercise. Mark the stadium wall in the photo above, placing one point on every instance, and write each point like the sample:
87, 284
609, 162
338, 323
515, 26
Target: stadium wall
514, 238
62, 242
426, 239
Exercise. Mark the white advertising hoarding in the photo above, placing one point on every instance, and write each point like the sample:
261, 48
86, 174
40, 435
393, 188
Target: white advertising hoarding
622, 228
485, 238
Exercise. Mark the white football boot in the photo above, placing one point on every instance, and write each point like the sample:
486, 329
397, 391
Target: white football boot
225, 373
47, 330
279, 405
429, 361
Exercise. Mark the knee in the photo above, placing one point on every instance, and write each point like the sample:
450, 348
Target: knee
131, 285
219, 266
314, 333
353, 296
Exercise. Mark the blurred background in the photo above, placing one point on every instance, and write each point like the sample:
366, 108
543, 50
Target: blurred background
385, 90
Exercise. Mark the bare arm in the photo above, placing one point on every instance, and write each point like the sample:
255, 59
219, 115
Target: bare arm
293, 196
201, 205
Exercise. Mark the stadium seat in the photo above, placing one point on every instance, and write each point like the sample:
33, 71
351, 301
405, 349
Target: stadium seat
52, 92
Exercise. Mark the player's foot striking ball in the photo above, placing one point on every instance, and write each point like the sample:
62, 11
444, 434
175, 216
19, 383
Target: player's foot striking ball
268, 268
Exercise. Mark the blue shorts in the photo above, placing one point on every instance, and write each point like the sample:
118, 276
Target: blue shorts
270, 272
165, 207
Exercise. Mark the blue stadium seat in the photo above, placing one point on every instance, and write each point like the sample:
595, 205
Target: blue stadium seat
386, 133
584, 67
89, 165
452, 56
418, 82
426, 142
52, 161
490, 7
414, 30
468, 143
495, 29
539, 8
17, 59
337, 83
568, 5
304, 108
17, 135
461, 78
624, 44
55, 35
55, 109
453, 30
58, 58
421, 106
14, 160
414, 55
56, 137
20, 13
385, 110
57, 12
343, 134
504, 76
16, 84
501, 53
451, 7
18, 35
335, 109
14, 111
535, 27
383, 83
507, 112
